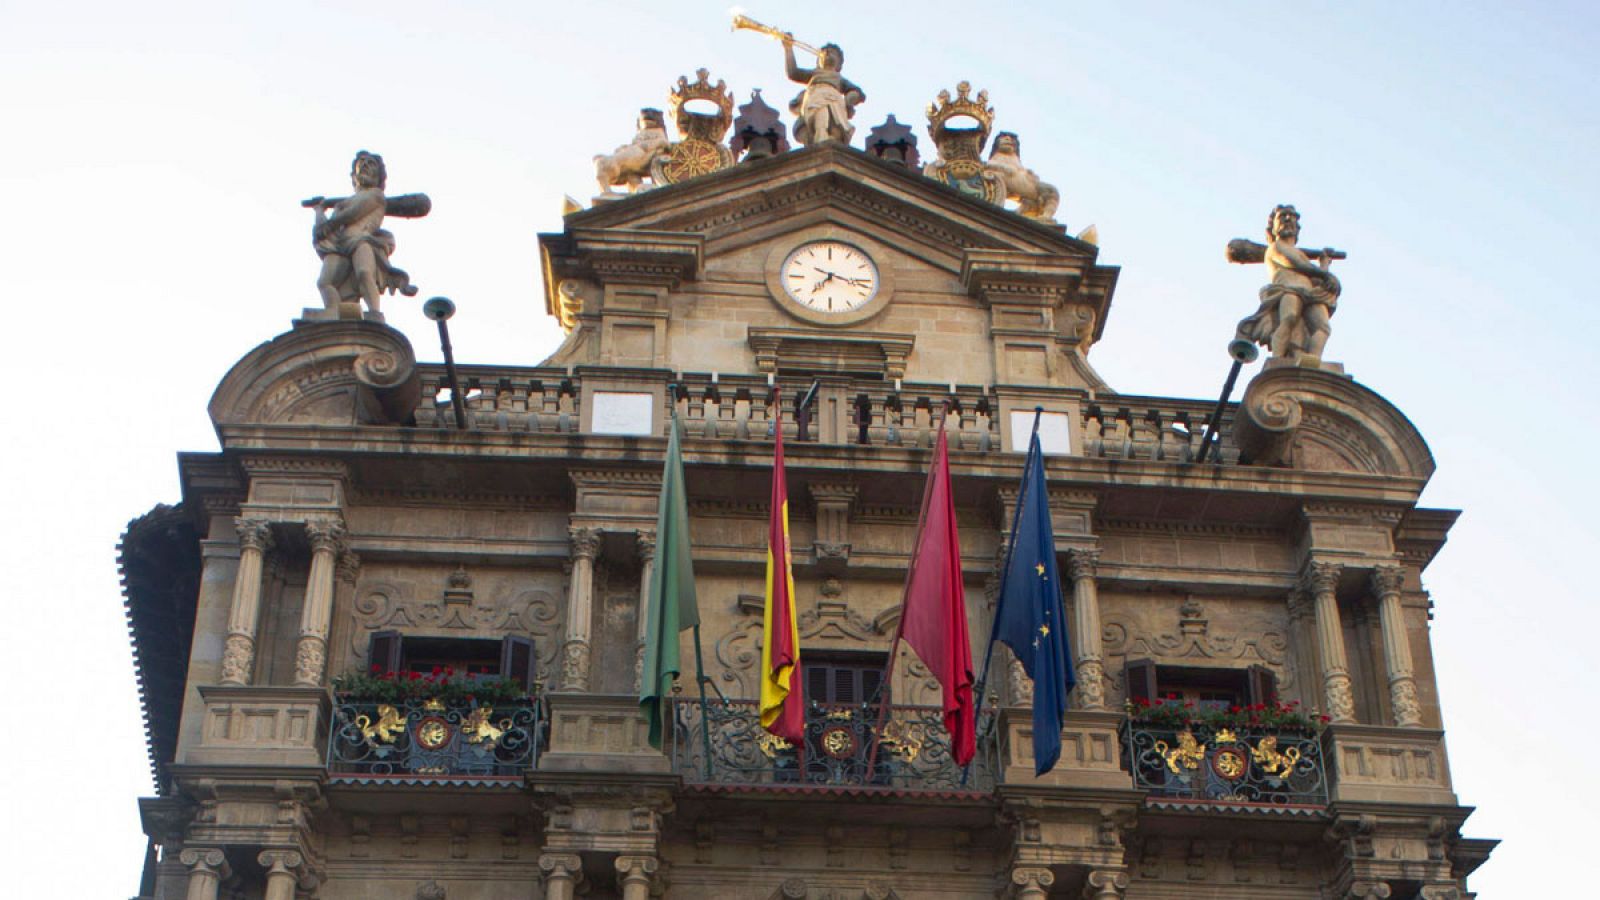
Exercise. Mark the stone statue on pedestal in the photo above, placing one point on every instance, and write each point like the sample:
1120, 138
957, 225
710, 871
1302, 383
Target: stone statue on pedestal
1292, 321
355, 249
824, 108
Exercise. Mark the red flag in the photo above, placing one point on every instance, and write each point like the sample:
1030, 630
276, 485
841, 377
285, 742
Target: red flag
782, 703
933, 618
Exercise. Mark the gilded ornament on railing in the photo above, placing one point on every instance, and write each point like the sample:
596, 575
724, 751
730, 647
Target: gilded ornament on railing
701, 151
433, 733
838, 743
1240, 764
479, 729
771, 744
1188, 753
896, 737
389, 722
433, 704
960, 164
1272, 761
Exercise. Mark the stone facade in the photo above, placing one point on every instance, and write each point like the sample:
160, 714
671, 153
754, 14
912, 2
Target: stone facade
345, 510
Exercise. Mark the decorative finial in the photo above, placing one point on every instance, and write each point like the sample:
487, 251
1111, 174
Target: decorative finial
894, 142
758, 132
701, 151
960, 162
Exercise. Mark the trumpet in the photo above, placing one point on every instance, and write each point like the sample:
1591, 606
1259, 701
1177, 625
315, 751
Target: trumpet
742, 21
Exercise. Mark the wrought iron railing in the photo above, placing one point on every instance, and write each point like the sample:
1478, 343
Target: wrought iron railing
432, 739
1227, 765
913, 751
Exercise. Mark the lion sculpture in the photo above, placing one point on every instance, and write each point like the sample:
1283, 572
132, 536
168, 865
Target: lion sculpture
630, 164
1035, 198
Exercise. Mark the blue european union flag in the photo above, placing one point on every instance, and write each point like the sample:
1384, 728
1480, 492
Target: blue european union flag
1029, 618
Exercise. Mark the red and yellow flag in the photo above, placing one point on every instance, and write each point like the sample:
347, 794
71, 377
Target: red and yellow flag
782, 701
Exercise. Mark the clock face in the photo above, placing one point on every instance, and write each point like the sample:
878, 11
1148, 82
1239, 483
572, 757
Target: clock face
829, 277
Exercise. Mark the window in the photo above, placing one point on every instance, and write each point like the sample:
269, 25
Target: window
511, 656
1205, 687
843, 678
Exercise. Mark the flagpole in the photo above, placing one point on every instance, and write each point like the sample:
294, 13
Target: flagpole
885, 688
1011, 547
700, 677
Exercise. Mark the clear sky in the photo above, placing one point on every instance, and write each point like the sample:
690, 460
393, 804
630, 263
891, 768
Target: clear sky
152, 157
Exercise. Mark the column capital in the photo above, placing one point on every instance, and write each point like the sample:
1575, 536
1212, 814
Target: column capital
585, 541
254, 534
203, 859
1387, 579
634, 867
348, 566
645, 544
561, 865
1107, 884
325, 535
1368, 890
1032, 881
1082, 562
277, 861
1319, 577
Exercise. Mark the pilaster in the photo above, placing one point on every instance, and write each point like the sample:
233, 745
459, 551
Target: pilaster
327, 538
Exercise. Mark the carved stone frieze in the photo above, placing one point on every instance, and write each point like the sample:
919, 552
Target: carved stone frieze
1256, 638
575, 665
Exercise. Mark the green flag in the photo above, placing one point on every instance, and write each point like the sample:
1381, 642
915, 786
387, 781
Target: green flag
670, 606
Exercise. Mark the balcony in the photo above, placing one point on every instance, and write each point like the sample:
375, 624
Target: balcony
432, 739
1227, 766
913, 752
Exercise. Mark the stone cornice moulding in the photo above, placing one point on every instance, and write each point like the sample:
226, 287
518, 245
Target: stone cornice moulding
819, 351
425, 497
294, 465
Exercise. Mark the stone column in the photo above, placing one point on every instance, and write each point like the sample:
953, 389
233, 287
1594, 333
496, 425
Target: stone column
635, 873
1106, 884
280, 866
206, 869
316, 615
647, 563
1368, 890
562, 871
1386, 584
1081, 565
1320, 580
239, 652
580, 609
1032, 883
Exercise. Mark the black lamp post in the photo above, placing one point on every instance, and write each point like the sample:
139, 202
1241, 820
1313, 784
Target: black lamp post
440, 309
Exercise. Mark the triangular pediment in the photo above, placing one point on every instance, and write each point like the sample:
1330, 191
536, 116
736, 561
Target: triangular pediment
835, 183
705, 273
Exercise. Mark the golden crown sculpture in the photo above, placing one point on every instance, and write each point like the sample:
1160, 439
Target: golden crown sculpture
963, 106
960, 163
701, 151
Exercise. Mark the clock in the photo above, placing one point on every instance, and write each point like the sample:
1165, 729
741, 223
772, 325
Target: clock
829, 277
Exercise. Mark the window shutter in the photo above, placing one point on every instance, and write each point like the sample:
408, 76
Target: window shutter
1140, 676
844, 685
817, 677
516, 660
870, 680
1263, 685
383, 650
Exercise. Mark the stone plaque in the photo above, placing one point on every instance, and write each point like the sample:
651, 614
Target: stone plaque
619, 413
1055, 432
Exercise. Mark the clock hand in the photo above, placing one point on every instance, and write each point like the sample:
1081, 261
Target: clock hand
819, 285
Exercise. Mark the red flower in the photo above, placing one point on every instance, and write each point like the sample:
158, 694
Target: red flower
413, 676
1144, 702
1233, 709
376, 668
1324, 719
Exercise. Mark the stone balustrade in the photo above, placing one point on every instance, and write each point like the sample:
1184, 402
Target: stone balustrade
854, 411
1383, 764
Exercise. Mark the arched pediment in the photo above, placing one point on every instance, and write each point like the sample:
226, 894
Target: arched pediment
325, 373
1304, 418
